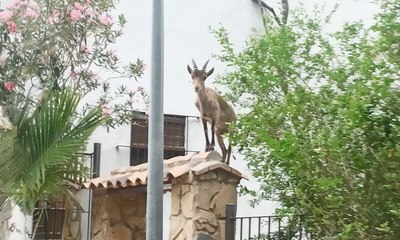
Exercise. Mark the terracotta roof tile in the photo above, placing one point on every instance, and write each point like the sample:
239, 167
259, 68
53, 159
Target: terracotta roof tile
196, 164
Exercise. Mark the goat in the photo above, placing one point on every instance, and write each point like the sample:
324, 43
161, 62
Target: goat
213, 109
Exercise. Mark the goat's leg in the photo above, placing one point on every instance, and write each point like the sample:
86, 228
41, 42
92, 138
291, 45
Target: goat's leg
212, 135
207, 149
222, 146
229, 154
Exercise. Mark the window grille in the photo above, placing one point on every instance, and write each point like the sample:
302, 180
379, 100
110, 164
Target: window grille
174, 138
50, 216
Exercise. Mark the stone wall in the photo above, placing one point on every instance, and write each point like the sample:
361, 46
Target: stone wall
119, 214
72, 222
198, 205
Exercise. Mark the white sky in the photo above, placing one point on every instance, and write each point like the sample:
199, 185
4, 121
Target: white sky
349, 10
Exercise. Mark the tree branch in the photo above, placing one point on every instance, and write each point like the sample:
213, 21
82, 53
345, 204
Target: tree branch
285, 11
269, 8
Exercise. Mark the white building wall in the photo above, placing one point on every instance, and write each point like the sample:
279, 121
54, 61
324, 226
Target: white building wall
13, 224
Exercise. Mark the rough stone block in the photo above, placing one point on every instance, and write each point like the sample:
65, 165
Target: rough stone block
220, 234
188, 230
119, 231
227, 194
129, 208
204, 193
185, 188
208, 176
203, 236
175, 200
176, 226
114, 212
206, 221
222, 175
141, 205
187, 202
136, 223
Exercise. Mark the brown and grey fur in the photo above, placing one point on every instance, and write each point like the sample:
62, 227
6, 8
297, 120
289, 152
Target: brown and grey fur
213, 109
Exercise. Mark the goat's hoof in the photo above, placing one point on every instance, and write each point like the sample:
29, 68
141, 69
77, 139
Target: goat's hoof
209, 149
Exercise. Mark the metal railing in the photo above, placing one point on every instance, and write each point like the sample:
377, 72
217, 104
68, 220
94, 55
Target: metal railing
89, 162
291, 227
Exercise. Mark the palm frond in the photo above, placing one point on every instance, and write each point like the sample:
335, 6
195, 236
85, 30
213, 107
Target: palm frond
43, 147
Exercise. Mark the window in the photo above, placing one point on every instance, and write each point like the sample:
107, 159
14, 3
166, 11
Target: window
51, 219
174, 138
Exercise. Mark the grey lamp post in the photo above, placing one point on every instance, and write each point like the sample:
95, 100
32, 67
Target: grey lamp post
154, 220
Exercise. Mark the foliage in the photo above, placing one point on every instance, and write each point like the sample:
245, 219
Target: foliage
36, 156
53, 56
320, 128
50, 45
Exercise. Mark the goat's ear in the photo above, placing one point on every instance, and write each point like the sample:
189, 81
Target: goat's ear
210, 72
189, 69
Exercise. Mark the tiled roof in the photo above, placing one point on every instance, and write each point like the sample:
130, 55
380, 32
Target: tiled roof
195, 164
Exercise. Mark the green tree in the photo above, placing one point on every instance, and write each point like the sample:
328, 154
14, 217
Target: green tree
52, 55
50, 45
320, 128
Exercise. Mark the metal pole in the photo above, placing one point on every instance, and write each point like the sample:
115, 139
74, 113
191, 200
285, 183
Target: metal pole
94, 172
230, 214
154, 209
96, 160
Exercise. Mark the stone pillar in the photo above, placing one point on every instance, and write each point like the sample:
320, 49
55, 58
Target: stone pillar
198, 204
119, 214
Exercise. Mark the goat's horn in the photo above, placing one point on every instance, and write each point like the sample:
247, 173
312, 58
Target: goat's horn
205, 65
194, 65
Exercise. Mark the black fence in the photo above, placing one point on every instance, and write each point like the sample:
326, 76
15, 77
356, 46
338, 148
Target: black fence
264, 227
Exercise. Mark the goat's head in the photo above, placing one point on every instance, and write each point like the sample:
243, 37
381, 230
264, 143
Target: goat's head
199, 76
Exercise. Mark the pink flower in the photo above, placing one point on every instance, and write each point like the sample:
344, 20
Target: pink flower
5, 16
93, 75
90, 12
105, 109
75, 15
33, 5
133, 100
3, 58
112, 55
9, 86
106, 20
30, 13
12, 26
73, 74
79, 6
140, 89
13, 4
83, 49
